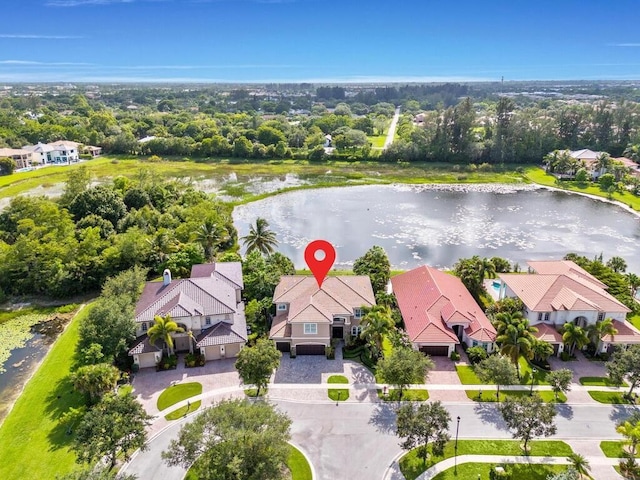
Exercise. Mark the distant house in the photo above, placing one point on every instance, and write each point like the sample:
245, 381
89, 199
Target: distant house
54, 153
439, 312
559, 292
22, 157
93, 151
208, 306
309, 317
147, 139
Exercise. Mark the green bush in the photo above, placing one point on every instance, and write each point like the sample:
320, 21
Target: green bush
476, 354
455, 356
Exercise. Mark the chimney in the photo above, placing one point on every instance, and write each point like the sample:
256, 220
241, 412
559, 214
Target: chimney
166, 277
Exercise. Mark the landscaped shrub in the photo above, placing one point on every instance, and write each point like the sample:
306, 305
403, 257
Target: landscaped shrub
455, 356
292, 352
167, 362
194, 360
330, 352
476, 354
564, 356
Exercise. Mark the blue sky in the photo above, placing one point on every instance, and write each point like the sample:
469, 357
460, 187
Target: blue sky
318, 40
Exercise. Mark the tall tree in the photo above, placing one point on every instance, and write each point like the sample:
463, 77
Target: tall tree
162, 330
234, 440
405, 366
560, 381
580, 464
515, 337
496, 369
625, 365
528, 417
116, 425
599, 329
376, 324
574, 336
260, 238
617, 264
95, 380
256, 364
210, 235
375, 264
420, 425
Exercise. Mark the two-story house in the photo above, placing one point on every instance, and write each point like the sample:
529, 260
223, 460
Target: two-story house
62, 151
559, 292
207, 306
309, 317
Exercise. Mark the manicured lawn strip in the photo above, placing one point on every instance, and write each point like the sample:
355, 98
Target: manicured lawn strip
337, 379
490, 395
411, 465
298, 465
253, 392
518, 471
526, 370
467, 375
612, 449
614, 398
538, 175
377, 141
33, 442
177, 393
599, 382
413, 395
182, 411
634, 320
339, 394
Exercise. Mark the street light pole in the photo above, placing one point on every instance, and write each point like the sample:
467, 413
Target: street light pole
533, 379
455, 469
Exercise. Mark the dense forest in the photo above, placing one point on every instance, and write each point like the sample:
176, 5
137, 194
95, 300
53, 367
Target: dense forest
459, 124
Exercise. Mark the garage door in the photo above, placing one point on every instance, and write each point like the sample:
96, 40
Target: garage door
283, 346
435, 350
309, 349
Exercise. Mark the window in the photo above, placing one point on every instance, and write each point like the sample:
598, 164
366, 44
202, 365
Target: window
540, 316
310, 328
144, 326
355, 330
207, 321
282, 306
546, 316
600, 316
474, 343
357, 312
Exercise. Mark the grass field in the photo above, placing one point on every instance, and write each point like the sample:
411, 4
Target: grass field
413, 395
377, 141
474, 471
182, 411
177, 393
599, 382
32, 439
411, 465
468, 376
338, 394
612, 449
490, 395
614, 398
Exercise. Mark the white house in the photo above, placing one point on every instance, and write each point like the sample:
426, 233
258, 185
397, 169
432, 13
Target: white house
22, 157
54, 153
559, 292
208, 306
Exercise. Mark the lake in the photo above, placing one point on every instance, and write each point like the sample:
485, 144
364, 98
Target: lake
438, 224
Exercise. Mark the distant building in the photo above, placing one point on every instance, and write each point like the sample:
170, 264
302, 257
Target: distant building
93, 151
22, 157
62, 151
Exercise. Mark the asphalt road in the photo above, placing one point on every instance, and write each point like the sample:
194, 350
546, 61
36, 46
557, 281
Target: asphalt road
357, 441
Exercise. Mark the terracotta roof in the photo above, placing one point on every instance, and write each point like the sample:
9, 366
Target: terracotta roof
212, 295
431, 301
559, 287
547, 333
627, 333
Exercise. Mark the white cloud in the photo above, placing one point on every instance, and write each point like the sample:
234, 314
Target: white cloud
39, 37
42, 64
624, 44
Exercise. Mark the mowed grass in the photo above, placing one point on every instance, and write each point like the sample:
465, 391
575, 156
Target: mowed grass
338, 394
377, 141
613, 398
468, 376
490, 395
520, 472
298, 465
599, 382
182, 411
411, 465
33, 443
612, 449
337, 379
413, 395
177, 393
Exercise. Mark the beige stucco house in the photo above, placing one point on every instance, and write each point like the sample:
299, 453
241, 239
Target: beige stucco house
208, 306
309, 317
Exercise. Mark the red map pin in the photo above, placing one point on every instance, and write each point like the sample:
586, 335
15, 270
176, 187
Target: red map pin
320, 268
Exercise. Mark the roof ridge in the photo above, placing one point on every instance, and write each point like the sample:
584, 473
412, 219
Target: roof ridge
192, 281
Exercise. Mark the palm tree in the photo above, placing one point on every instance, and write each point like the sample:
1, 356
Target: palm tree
634, 283
542, 350
210, 235
617, 264
599, 330
631, 431
162, 330
515, 337
633, 152
376, 325
574, 336
603, 162
260, 238
579, 463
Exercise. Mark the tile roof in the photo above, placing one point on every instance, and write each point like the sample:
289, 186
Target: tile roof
627, 333
224, 333
547, 333
143, 345
280, 328
339, 295
431, 300
228, 271
561, 286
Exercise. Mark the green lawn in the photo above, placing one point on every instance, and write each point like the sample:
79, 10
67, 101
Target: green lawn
634, 320
338, 394
413, 395
612, 449
538, 175
182, 411
609, 397
337, 379
32, 439
177, 393
377, 141
253, 392
470, 471
411, 465
490, 395
599, 382
468, 376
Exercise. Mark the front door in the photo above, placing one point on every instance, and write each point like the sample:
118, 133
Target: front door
337, 332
